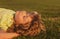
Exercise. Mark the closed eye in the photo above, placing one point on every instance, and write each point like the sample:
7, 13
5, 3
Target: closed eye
25, 16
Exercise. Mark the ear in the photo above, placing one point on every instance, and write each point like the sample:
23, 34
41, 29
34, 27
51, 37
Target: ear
37, 14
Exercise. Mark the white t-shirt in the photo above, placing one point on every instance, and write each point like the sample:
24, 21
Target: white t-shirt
6, 18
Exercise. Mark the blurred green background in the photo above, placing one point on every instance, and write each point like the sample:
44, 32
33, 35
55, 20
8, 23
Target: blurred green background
49, 9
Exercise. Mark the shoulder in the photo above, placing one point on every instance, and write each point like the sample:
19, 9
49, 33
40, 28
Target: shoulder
6, 18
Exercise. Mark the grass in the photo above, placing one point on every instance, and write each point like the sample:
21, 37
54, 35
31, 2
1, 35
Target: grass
49, 9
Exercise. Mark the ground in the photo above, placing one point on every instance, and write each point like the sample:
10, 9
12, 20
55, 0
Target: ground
49, 10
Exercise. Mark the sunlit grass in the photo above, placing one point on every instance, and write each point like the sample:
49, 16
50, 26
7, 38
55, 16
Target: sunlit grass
49, 9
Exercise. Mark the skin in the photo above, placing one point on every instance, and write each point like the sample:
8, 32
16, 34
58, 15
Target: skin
8, 35
21, 17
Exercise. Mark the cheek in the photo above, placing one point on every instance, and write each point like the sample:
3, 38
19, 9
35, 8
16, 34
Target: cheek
19, 20
29, 19
26, 20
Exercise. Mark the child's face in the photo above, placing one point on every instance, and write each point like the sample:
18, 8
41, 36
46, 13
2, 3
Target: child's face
22, 17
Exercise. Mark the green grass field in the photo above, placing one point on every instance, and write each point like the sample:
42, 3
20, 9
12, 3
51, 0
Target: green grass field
49, 9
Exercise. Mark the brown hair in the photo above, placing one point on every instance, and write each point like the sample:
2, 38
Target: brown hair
35, 26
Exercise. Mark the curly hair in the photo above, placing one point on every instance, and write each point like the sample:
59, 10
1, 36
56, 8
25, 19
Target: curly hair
34, 29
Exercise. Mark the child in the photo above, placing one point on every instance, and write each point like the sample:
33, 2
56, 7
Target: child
27, 23
20, 22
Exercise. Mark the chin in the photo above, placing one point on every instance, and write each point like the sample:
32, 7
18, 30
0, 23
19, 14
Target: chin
34, 28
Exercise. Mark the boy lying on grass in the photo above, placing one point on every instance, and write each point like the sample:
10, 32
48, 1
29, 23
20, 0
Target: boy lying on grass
20, 22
